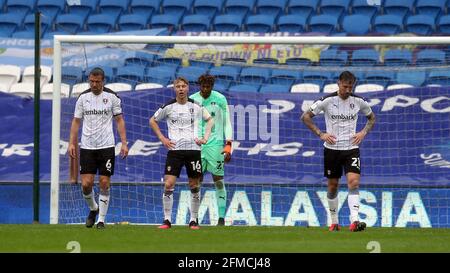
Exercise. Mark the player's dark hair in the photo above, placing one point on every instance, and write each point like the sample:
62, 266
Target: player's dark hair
181, 79
97, 71
206, 79
347, 76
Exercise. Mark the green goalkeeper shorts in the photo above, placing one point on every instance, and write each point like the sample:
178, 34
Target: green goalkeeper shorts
212, 160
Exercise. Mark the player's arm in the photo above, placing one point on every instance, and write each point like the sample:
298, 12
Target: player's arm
123, 135
73, 140
358, 137
228, 133
209, 124
165, 141
307, 118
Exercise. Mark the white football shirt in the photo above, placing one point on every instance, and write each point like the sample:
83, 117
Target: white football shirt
341, 117
182, 122
97, 112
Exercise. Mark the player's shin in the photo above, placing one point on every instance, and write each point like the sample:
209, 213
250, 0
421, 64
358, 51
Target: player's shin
168, 204
195, 203
90, 199
221, 197
103, 204
353, 204
333, 206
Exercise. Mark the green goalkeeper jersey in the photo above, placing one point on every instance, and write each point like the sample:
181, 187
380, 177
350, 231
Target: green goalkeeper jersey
217, 106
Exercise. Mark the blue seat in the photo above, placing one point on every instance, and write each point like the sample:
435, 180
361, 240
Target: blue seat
71, 75
23, 34
50, 34
239, 7
51, 8
317, 77
275, 88
265, 60
20, 7
208, 7
29, 25
298, 61
109, 73
260, 23
365, 57
440, 77
388, 24
191, 73
195, 22
444, 24
383, 78
430, 57
412, 77
334, 7
168, 61
285, 77
302, 8
201, 63
160, 74
270, 7
101, 23
130, 74
291, 23
397, 57
333, 57
244, 88
363, 8
72, 23
133, 21
398, 7
169, 21
254, 75
140, 58
420, 24
356, 24
323, 23
176, 7
434, 8
9, 23
113, 7
84, 8
227, 23
147, 7
225, 75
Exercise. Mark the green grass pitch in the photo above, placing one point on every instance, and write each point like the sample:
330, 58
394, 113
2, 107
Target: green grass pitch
41, 238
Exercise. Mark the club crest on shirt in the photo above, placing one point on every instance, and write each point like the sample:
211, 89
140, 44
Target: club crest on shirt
105, 100
213, 103
191, 110
352, 105
169, 168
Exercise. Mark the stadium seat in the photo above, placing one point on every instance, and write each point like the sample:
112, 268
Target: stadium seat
113, 8
444, 24
20, 7
79, 88
412, 77
82, 7
47, 91
333, 57
71, 23
24, 34
368, 87
71, 75
244, 88
323, 23
298, 61
9, 75
302, 8
382, 78
275, 88
141, 58
46, 74
330, 88
356, 24
191, 73
430, 57
317, 77
109, 73
397, 57
398, 7
420, 24
201, 63
146, 7
145, 86
239, 7
254, 75
270, 7
208, 7
29, 25
334, 7
169, 61
434, 8
9, 23
291, 23
438, 77
263, 60
285, 76
195, 23
51, 8
176, 7
50, 34
160, 74
132, 22
129, 74
227, 23
101, 23
399, 86
224, 75
169, 21
362, 7
305, 88
260, 23
365, 57
119, 86
388, 24
22, 89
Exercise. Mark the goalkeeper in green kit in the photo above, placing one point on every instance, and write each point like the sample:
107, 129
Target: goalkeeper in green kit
214, 153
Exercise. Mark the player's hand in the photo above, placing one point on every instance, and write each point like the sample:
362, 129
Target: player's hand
169, 144
72, 151
200, 141
227, 152
124, 150
358, 137
328, 138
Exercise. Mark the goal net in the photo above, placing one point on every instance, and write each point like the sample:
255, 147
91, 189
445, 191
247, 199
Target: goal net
275, 176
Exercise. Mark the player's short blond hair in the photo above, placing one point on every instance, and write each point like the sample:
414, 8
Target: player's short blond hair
180, 79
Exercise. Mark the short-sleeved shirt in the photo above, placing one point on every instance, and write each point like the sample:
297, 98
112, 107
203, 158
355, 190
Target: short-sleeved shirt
341, 117
217, 106
182, 122
97, 112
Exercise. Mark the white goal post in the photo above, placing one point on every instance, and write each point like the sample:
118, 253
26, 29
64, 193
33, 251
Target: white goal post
111, 39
